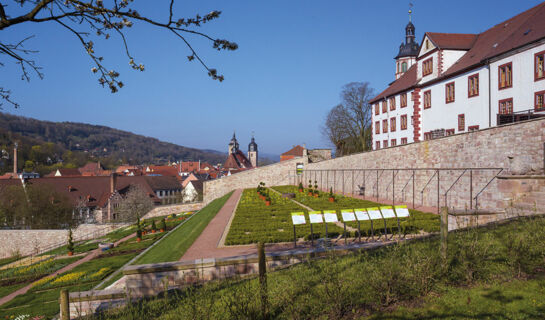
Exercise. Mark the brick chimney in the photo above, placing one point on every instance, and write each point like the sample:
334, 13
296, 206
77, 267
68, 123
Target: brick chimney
113, 182
15, 159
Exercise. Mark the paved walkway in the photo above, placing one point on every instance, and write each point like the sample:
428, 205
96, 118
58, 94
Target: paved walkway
93, 254
207, 244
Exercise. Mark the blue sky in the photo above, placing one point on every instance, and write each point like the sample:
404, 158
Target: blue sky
293, 59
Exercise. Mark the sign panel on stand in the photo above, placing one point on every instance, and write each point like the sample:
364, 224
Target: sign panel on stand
297, 218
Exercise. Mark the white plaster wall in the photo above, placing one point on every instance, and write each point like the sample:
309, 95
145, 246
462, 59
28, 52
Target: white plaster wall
398, 134
450, 57
524, 87
435, 69
444, 115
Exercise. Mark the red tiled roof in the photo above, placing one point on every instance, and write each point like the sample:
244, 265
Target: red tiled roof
520, 30
461, 41
405, 82
295, 151
237, 161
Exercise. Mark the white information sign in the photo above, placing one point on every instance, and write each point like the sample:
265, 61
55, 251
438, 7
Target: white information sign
361, 214
402, 211
330, 216
315, 217
348, 215
387, 212
374, 213
298, 218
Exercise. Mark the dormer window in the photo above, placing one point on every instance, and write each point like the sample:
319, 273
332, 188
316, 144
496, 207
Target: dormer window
427, 67
404, 66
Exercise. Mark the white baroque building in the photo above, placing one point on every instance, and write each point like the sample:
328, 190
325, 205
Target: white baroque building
454, 83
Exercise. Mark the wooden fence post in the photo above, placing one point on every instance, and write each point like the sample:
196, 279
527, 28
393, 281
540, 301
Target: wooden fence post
444, 234
65, 308
262, 263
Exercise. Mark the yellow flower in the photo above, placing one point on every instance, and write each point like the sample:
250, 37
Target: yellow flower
69, 277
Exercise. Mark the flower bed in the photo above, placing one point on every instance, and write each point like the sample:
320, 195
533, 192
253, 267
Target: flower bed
254, 221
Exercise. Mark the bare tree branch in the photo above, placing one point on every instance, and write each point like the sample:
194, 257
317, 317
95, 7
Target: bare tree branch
96, 18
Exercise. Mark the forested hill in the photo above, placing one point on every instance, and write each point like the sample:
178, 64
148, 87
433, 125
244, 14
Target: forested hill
98, 141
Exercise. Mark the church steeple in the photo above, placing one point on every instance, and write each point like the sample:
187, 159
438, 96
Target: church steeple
233, 144
408, 51
252, 152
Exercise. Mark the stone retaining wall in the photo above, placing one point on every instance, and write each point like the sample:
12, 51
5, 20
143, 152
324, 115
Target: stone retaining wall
26, 242
516, 148
275, 174
175, 208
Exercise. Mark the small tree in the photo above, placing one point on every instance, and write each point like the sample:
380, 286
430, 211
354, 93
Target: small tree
300, 186
70, 246
138, 229
135, 204
163, 225
153, 226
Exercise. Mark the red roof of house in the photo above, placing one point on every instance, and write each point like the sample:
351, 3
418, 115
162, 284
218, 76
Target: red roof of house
96, 189
452, 41
237, 161
524, 28
406, 81
295, 151
65, 172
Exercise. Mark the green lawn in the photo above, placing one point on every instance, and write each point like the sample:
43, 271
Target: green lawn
490, 273
518, 299
173, 247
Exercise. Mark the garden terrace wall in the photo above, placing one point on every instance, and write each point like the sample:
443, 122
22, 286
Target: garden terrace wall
517, 148
27, 242
148, 280
161, 211
274, 174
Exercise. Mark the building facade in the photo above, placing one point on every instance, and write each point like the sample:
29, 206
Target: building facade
464, 82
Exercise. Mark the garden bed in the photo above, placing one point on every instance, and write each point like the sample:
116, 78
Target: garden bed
419, 221
254, 221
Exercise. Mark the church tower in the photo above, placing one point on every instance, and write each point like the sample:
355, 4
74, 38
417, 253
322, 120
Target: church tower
252, 152
233, 144
408, 51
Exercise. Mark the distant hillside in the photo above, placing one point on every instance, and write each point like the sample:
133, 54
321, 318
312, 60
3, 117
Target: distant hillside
99, 141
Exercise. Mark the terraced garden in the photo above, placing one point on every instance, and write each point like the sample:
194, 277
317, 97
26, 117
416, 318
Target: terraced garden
42, 299
254, 221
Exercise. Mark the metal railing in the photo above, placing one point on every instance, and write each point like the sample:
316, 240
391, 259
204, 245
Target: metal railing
398, 185
520, 116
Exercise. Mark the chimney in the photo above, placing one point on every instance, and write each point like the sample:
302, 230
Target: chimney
113, 181
15, 159
199, 165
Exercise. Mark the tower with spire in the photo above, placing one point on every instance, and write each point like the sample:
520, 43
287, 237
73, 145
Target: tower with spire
233, 144
252, 152
408, 50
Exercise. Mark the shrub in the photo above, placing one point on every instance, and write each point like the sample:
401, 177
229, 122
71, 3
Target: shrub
163, 224
70, 246
153, 226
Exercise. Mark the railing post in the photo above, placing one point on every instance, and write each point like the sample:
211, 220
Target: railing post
377, 184
393, 187
438, 196
413, 189
65, 308
444, 234
471, 189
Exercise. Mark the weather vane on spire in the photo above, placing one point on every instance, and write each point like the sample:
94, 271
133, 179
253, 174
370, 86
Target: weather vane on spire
410, 11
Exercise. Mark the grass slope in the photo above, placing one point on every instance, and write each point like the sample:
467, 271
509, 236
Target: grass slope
173, 247
490, 273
